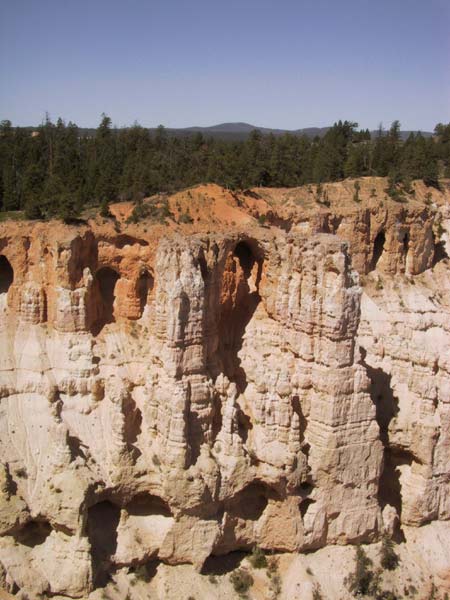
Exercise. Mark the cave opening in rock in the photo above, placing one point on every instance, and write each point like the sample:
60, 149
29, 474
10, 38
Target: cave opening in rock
6, 275
405, 243
106, 279
378, 247
102, 523
239, 300
145, 504
34, 533
250, 502
144, 287
245, 257
304, 505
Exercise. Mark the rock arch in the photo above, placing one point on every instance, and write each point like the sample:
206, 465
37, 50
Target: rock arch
239, 300
6, 274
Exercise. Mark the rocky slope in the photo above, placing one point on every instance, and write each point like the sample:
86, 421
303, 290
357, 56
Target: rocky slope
272, 370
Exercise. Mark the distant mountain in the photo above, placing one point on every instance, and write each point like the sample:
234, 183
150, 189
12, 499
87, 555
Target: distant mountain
241, 131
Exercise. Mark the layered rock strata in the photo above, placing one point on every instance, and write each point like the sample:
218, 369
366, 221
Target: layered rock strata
180, 396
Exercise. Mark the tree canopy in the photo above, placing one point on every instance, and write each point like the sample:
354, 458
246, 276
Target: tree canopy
56, 171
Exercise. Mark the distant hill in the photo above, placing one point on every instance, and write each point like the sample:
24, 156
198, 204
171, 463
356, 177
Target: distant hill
241, 131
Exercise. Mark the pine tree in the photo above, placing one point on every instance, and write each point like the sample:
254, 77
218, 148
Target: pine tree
106, 184
33, 184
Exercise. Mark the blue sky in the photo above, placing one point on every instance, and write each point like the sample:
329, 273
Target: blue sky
284, 63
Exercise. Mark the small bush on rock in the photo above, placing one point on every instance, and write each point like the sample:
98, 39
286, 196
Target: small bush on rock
363, 581
389, 558
241, 580
317, 593
258, 559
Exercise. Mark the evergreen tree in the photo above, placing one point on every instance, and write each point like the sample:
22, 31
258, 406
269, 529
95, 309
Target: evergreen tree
8, 192
106, 168
33, 183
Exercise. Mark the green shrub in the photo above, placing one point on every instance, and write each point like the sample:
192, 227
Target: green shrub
275, 585
363, 581
155, 210
142, 573
272, 566
241, 581
13, 215
317, 593
388, 558
257, 558
104, 209
262, 219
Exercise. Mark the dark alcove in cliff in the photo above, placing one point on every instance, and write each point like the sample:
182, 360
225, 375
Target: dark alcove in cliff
6, 274
239, 300
203, 266
405, 243
106, 279
144, 505
103, 520
144, 287
250, 502
378, 247
34, 533
304, 505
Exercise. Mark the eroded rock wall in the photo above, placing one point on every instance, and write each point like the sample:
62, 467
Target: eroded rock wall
184, 396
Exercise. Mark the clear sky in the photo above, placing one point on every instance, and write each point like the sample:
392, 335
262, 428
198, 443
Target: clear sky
273, 63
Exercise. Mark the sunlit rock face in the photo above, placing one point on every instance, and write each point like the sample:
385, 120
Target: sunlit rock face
181, 395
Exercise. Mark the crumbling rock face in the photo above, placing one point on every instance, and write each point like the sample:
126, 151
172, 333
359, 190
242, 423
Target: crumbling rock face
189, 396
